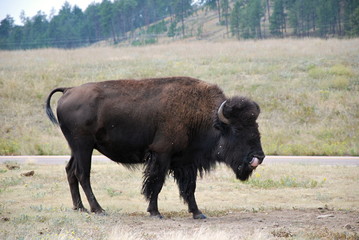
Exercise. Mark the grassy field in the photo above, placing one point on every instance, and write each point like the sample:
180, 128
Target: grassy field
307, 89
279, 200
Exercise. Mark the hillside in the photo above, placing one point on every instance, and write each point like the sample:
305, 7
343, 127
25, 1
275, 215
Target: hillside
203, 24
141, 22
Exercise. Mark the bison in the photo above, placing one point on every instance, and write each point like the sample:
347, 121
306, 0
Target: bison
177, 125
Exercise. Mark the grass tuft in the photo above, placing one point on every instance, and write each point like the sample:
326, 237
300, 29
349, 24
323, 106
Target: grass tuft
339, 82
8, 147
317, 72
329, 234
341, 70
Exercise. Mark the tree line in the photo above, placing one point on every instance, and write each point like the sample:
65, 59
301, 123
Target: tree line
72, 27
298, 18
119, 19
283, 18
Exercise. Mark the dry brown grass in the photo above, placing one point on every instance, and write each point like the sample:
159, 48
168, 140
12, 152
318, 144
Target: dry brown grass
307, 88
205, 233
39, 207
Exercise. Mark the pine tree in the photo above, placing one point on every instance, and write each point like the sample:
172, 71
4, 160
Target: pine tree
255, 13
246, 16
106, 13
92, 22
215, 5
182, 9
277, 19
350, 9
235, 20
39, 28
354, 23
225, 11
6, 26
301, 14
328, 17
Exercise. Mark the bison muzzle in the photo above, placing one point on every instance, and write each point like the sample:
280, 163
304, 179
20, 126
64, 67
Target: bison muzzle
176, 125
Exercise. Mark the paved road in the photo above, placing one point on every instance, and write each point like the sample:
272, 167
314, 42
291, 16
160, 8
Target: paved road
349, 161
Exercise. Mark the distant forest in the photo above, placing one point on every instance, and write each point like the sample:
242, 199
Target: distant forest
121, 20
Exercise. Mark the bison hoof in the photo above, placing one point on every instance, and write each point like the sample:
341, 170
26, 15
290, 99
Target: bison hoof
199, 216
80, 209
156, 215
100, 212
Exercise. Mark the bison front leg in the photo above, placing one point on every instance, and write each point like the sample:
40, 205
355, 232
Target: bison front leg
186, 179
154, 177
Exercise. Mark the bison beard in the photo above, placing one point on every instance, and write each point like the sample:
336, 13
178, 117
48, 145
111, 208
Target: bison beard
173, 125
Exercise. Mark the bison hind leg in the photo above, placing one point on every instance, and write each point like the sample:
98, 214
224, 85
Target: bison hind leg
81, 168
186, 178
74, 186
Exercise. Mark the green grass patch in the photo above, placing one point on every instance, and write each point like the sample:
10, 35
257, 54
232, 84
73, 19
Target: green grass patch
320, 72
341, 70
10, 181
113, 192
8, 147
339, 82
284, 182
317, 72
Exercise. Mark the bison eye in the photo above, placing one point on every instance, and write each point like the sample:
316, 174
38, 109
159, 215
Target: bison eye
237, 131
255, 135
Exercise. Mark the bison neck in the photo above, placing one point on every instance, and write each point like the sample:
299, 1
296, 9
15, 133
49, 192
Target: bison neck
200, 153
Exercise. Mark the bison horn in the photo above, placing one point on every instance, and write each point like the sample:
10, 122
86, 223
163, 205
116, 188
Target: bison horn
221, 117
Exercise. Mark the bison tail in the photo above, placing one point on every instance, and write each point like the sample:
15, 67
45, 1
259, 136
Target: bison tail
48, 109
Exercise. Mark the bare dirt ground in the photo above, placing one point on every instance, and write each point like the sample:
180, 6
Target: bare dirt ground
272, 224
293, 224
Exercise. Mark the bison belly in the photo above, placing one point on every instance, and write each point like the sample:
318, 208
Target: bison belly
123, 143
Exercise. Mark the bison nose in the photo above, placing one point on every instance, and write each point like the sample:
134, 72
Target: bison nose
260, 157
256, 160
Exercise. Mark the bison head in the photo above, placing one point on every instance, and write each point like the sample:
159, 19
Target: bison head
239, 145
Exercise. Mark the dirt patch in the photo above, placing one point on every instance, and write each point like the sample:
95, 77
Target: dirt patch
296, 223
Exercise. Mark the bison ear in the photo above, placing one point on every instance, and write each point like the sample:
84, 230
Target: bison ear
242, 110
